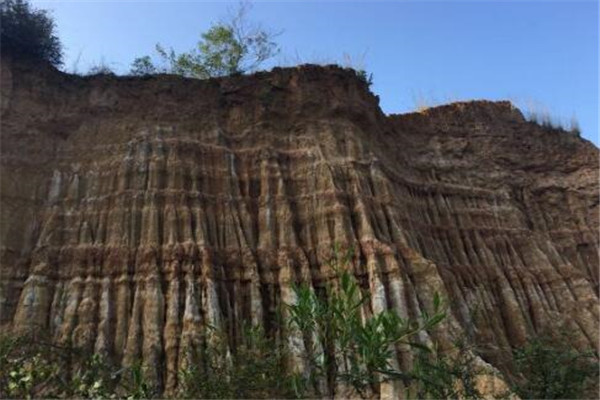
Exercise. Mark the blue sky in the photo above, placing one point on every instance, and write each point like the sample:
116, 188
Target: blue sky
540, 54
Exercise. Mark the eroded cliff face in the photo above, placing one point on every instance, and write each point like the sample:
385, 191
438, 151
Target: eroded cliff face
136, 210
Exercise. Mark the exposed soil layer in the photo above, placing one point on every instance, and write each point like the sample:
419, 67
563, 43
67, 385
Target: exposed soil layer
136, 210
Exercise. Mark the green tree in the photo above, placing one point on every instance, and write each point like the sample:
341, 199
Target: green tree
27, 32
233, 46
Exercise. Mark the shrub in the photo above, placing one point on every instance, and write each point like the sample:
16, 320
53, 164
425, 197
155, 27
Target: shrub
437, 375
253, 369
133, 383
32, 367
347, 347
365, 76
27, 370
143, 66
100, 68
27, 32
549, 368
92, 379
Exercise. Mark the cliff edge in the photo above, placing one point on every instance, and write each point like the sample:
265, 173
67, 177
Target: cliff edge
135, 210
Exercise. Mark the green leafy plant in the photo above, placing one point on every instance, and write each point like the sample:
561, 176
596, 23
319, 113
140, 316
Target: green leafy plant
143, 66
344, 346
550, 368
31, 377
27, 32
28, 370
93, 379
254, 368
31, 366
233, 46
134, 384
440, 375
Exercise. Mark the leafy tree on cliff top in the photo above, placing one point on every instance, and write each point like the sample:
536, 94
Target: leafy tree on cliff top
233, 46
27, 32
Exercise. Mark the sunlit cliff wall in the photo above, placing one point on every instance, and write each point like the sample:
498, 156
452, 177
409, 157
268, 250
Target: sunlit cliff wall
135, 210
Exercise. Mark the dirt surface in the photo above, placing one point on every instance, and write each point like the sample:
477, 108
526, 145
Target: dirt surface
135, 210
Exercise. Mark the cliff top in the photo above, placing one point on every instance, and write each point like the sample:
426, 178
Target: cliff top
312, 91
332, 74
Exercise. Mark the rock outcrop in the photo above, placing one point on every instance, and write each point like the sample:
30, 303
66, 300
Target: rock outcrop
135, 210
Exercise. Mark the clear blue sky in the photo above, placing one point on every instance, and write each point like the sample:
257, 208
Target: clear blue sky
543, 53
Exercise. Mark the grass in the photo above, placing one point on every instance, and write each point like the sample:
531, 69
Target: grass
536, 112
533, 111
422, 102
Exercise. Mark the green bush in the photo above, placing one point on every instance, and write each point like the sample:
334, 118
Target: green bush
253, 369
550, 368
92, 379
364, 76
343, 346
28, 370
437, 375
31, 366
27, 32
143, 66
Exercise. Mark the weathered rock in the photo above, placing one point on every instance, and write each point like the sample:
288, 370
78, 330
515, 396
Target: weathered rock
135, 210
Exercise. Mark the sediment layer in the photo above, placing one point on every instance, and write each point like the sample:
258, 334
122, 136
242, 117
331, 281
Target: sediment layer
134, 211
